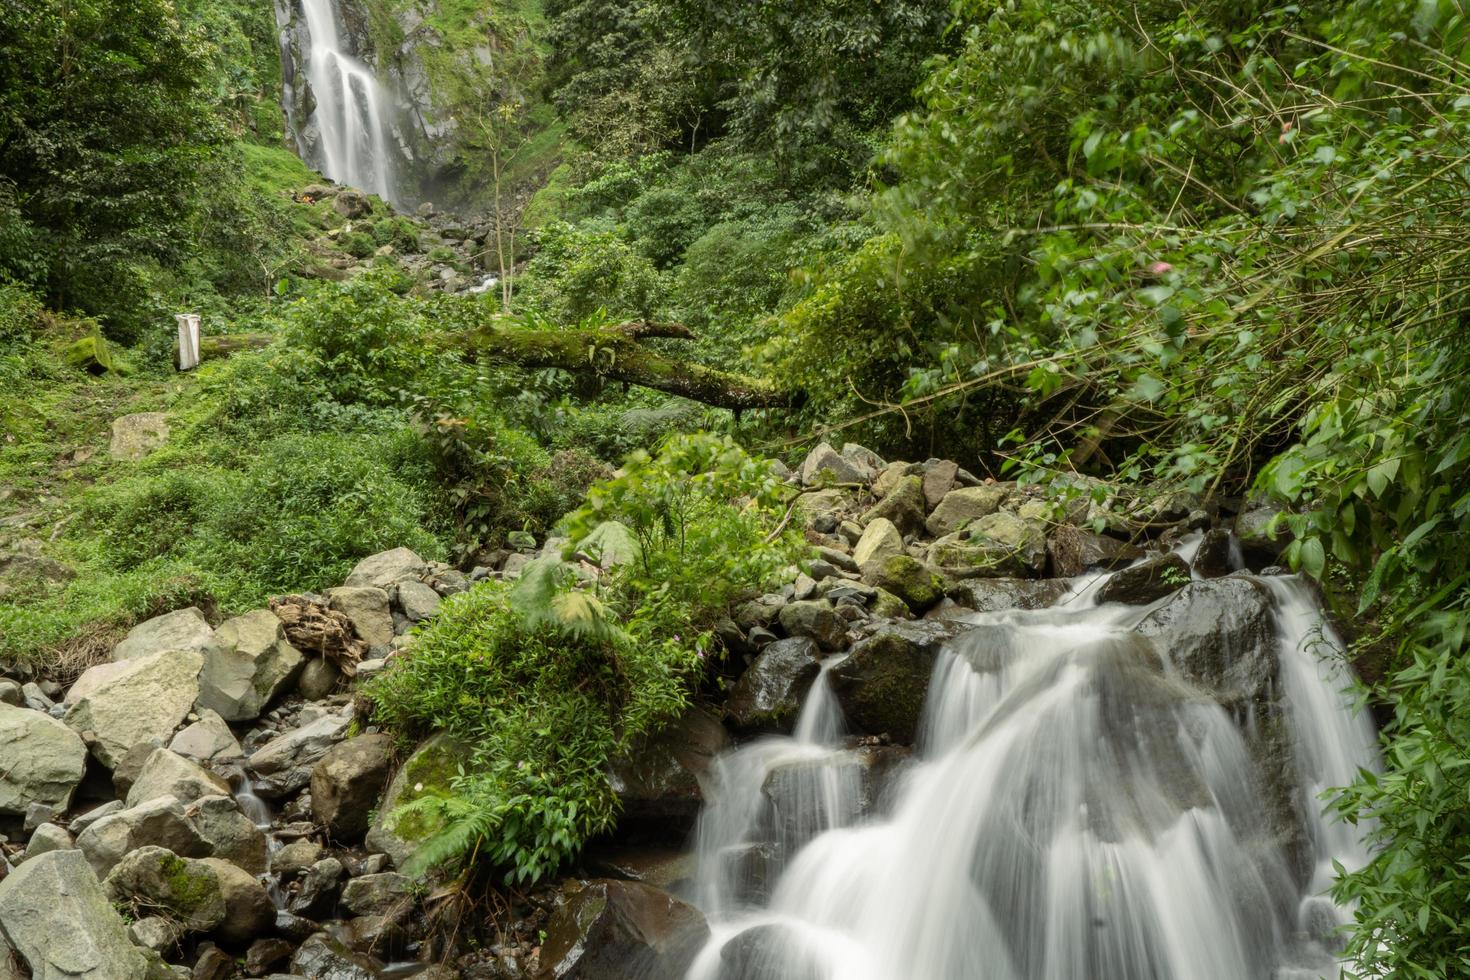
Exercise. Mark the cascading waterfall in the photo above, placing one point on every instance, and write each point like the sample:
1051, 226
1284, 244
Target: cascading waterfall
350, 120
1075, 811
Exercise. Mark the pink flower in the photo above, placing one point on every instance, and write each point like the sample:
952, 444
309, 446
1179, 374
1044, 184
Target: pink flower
1159, 268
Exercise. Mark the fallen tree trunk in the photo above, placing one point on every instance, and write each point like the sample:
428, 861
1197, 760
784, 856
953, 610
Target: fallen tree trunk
212, 347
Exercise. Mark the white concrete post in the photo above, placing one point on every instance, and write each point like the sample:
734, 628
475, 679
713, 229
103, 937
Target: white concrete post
188, 340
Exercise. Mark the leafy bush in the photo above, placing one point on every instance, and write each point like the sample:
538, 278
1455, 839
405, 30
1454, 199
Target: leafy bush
579, 271
358, 244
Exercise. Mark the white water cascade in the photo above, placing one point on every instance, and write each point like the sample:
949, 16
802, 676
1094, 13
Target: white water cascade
350, 119
1075, 810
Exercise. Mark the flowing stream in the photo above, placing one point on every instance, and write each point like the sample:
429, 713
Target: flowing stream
352, 143
1074, 810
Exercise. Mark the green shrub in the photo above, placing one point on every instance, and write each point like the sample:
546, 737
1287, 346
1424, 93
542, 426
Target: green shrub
358, 244
578, 271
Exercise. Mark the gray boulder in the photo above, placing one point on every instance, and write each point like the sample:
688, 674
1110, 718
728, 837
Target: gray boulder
826, 465
286, 760
56, 915
1220, 635
229, 834
904, 506
377, 894
126, 702
387, 568
959, 507
157, 823
611, 930
170, 774
182, 629
999, 594
662, 782
322, 957
998, 544
135, 436
249, 911
156, 879
251, 665
46, 838
1213, 558
368, 610
206, 739
417, 600
816, 619
1145, 582
768, 696
1074, 551
881, 540
347, 782
41, 760
882, 683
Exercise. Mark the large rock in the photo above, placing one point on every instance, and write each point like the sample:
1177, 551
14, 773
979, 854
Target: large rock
346, 784
251, 665
206, 739
41, 760
160, 823
182, 629
663, 781
882, 683
135, 436
999, 594
939, 480
159, 880
816, 619
908, 578
377, 894
1074, 551
1220, 635
386, 568
249, 911
429, 771
613, 930
880, 541
420, 602
1145, 582
768, 696
126, 702
368, 610
959, 507
323, 958
998, 544
1214, 558
286, 760
826, 465
55, 913
904, 506
228, 833
170, 774
1263, 535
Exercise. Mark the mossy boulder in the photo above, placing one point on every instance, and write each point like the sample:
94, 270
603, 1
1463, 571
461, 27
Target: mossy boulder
959, 507
90, 353
904, 506
910, 579
157, 879
998, 544
429, 771
882, 683
768, 696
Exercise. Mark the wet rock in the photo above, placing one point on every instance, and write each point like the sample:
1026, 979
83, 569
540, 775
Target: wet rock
294, 927
126, 702
1074, 551
323, 958
59, 919
286, 760
768, 696
157, 879
346, 784
612, 930
157, 823
826, 465
427, 772
1220, 635
135, 436
387, 568
904, 506
229, 834
213, 964
249, 911
206, 739
1146, 582
668, 868
959, 508
661, 782
377, 894
815, 619
296, 857
170, 774
909, 579
368, 610
1213, 558
758, 612
880, 541
998, 594
182, 629
881, 684
997, 544
1263, 535
251, 665
265, 955
41, 760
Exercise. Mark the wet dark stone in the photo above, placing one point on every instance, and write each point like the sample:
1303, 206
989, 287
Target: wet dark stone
1146, 582
768, 696
1212, 560
881, 684
1074, 551
614, 930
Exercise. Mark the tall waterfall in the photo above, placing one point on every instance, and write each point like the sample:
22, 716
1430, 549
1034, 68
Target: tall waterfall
347, 134
1075, 810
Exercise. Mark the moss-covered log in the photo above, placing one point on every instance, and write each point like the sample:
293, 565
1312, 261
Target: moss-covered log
212, 347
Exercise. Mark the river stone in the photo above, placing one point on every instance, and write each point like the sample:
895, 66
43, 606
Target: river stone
613, 930
229, 834
156, 932
815, 618
959, 507
249, 911
346, 784
182, 629
135, 436
206, 739
387, 568
125, 773
768, 696
287, 759
1213, 557
317, 892
938, 481
161, 822
908, 578
46, 838
999, 594
880, 541
1146, 582
378, 894
157, 879
1074, 551
904, 506
1263, 535
882, 683
124, 703
264, 954
663, 780
1219, 634
85, 820
998, 544
251, 664
170, 774
41, 760
826, 465
368, 610
318, 679
55, 913
323, 958
418, 601
429, 771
